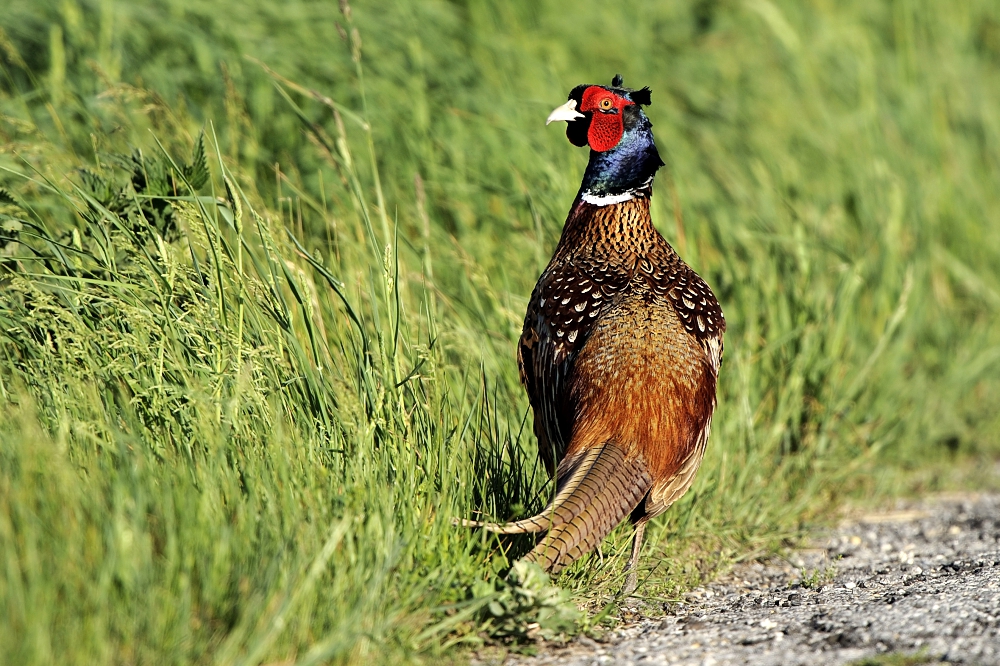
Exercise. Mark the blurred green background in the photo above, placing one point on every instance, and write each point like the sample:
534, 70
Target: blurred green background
263, 265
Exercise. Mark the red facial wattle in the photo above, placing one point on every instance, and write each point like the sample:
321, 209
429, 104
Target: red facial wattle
606, 126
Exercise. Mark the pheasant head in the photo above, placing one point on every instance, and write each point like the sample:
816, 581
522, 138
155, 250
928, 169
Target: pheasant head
623, 156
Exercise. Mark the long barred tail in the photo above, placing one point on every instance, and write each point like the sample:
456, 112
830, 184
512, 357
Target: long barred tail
594, 494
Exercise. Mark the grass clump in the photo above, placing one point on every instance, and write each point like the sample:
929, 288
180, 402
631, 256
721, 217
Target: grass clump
257, 322
898, 659
814, 579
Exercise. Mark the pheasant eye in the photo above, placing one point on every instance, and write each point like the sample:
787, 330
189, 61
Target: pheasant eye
606, 104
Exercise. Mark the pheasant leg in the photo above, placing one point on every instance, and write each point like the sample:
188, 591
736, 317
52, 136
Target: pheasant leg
632, 575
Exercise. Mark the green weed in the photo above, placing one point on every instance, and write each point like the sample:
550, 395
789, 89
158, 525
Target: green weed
897, 659
817, 578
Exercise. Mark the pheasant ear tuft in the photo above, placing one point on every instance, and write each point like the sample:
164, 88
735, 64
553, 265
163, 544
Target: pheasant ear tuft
641, 97
618, 81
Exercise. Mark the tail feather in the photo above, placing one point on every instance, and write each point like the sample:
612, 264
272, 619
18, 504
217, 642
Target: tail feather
565, 506
603, 494
596, 491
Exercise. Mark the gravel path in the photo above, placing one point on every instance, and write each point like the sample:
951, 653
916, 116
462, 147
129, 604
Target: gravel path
923, 579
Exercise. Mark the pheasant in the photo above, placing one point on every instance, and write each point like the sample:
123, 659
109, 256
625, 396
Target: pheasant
621, 346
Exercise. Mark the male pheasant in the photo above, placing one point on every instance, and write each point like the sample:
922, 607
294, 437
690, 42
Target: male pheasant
621, 345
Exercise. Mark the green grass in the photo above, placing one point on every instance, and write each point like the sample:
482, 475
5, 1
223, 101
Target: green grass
897, 659
246, 387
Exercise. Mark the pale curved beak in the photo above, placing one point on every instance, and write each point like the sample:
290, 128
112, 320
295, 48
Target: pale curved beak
565, 112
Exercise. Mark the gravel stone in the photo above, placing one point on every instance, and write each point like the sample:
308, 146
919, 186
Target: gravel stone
924, 578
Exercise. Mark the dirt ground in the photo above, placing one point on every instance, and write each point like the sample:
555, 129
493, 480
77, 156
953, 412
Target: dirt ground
921, 580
